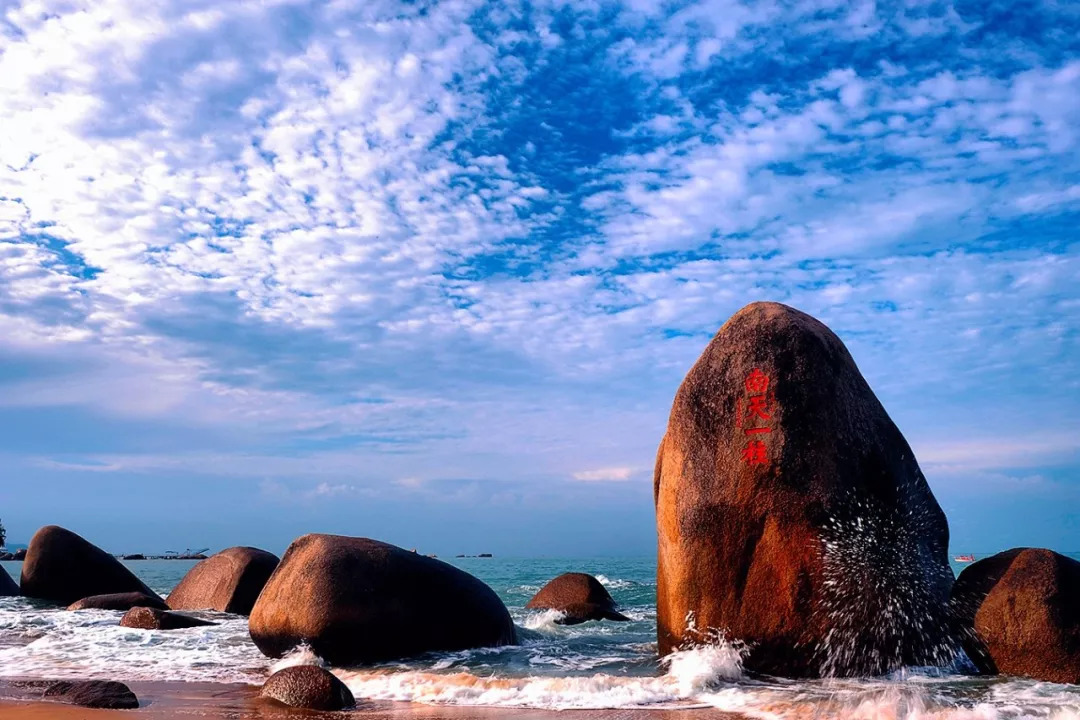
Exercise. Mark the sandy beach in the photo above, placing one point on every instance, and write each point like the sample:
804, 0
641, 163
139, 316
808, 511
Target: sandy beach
209, 701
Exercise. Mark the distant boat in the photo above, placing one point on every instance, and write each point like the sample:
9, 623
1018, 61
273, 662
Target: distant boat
964, 558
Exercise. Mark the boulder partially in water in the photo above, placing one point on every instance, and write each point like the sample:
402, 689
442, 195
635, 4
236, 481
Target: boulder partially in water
308, 686
146, 618
355, 600
229, 581
792, 514
105, 694
63, 567
579, 596
119, 601
1018, 613
8, 587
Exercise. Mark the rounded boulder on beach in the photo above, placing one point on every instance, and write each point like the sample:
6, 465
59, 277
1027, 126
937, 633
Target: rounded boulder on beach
146, 618
355, 601
1018, 613
100, 694
792, 514
229, 581
579, 596
119, 601
308, 686
63, 567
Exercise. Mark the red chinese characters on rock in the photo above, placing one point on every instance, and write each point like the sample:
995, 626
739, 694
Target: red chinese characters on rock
753, 419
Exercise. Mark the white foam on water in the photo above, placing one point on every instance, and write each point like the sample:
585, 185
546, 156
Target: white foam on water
544, 621
49, 642
587, 666
616, 583
689, 673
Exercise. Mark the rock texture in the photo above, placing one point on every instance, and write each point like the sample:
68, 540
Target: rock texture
791, 512
145, 618
119, 601
1018, 613
579, 597
355, 600
229, 581
93, 694
8, 587
62, 567
308, 686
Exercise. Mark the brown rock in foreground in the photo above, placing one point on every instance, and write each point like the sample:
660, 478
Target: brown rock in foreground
93, 694
791, 512
1018, 613
308, 686
8, 587
579, 596
229, 581
63, 567
119, 601
145, 618
355, 600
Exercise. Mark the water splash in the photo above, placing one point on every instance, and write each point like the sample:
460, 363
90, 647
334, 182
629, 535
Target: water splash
885, 590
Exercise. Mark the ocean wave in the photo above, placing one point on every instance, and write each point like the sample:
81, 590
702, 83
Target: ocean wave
616, 583
689, 672
48, 642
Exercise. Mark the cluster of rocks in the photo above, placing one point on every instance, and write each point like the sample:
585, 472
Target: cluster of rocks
351, 600
823, 551
792, 516
16, 556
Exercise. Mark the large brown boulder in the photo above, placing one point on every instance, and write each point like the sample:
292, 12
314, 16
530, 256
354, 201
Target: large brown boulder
1018, 613
146, 618
355, 600
791, 512
229, 581
63, 567
119, 601
308, 686
579, 597
106, 694
8, 587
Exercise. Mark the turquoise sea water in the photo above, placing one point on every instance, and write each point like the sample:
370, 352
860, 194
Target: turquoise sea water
592, 665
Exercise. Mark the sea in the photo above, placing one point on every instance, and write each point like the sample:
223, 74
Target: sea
595, 665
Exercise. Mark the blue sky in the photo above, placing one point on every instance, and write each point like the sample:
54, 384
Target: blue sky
432, 272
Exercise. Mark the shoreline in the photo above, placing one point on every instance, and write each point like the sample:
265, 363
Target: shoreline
172, 700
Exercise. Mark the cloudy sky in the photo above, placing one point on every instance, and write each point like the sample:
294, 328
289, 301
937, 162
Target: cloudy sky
432, 271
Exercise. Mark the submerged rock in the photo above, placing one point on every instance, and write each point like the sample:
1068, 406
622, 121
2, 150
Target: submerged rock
229, 581
308, 686
145, 618
792, 514
355, 600
63, 567
579, 597
1018, 613
119, 601
8, 587
106, 694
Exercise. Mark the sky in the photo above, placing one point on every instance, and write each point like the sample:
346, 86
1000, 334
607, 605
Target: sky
431, 272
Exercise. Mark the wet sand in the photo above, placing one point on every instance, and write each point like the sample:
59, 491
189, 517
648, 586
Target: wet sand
208, 701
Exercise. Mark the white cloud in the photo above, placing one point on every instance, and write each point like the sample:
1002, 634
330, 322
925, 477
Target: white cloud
610, 474
398, 232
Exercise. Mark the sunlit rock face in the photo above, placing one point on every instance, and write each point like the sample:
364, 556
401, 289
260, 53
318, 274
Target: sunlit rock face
792, 514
